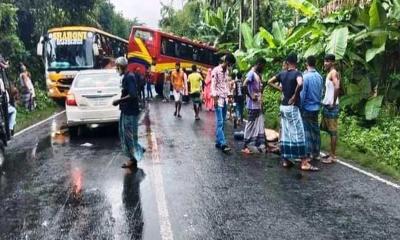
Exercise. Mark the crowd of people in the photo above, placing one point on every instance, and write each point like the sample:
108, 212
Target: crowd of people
301, 104
302, 100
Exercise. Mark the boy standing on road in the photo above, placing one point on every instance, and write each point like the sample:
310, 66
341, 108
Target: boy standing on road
196, 82
220, 92
330, 110
128, 123
239, 98
178, 83
311, 95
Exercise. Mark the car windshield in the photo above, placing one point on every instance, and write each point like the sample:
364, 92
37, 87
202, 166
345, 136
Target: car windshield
100, 80
70, 50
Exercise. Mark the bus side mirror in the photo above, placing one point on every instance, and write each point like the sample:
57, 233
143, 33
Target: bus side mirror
96, 50
39, 48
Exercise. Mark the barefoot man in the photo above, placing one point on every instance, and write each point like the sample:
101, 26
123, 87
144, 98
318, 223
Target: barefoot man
330, 110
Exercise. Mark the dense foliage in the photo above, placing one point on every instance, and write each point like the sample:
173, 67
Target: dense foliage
22, 22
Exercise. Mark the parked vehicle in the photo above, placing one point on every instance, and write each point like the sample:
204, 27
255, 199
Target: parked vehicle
5, 134
68, 50
160, 51
90, 98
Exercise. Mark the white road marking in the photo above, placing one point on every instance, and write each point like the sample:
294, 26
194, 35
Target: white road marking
369, 174
38, 124
392, 184
165, 224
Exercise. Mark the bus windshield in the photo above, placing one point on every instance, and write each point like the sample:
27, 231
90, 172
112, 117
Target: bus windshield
70, 50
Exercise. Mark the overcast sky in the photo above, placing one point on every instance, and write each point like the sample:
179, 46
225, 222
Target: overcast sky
147, 11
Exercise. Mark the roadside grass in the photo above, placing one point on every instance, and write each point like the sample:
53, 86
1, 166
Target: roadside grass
26, 119
365, 159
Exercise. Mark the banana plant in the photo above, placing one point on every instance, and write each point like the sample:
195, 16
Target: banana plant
219, 26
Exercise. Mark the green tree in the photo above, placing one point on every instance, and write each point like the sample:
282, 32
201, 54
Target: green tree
182, 22
10, 45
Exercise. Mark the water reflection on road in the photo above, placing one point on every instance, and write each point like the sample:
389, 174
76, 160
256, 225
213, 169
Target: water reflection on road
54, 186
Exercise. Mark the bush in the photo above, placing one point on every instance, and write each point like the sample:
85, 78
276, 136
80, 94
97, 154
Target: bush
42, 100
45, 108
271, 100
382, 140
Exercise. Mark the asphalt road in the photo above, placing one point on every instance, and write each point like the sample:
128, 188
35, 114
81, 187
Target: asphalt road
57, 187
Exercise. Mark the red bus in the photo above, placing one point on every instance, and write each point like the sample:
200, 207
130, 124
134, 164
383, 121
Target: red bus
160, 51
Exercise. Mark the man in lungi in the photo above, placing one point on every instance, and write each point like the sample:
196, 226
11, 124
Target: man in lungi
330, 109
178, 84
220, 92
292, 142
254, 132
311, 95
196, 88
128, 123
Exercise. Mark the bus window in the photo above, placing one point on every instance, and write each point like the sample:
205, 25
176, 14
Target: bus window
177, 50
168, 47
216, 58
185, 51
64, 52
204, 56
196, 54
146, 36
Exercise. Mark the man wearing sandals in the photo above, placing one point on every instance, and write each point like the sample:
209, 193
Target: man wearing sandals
292, 140
311, 96
330, 110
128, 123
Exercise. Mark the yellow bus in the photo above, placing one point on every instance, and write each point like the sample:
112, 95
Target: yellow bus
67, 50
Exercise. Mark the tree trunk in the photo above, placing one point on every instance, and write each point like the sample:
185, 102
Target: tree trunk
240, 23
254, 16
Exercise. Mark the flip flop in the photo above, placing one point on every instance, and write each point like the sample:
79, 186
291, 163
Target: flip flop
329, 160
309, 168
225, 149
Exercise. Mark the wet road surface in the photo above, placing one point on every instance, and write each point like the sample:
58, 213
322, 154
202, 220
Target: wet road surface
57, 187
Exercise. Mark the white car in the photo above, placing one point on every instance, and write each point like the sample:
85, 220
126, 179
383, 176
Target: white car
90, 98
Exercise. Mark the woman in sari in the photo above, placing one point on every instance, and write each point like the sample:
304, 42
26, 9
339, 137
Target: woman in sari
208, 100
